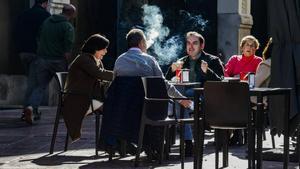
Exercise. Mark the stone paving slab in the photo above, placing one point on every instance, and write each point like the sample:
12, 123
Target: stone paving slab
24, 146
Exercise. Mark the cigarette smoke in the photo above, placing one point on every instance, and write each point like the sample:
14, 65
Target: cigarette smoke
167, 49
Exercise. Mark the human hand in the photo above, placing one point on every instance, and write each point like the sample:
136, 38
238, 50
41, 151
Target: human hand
185, 103
176, 65
204, 66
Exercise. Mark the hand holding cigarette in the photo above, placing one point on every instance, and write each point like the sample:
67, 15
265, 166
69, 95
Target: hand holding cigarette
204, 66
176, 65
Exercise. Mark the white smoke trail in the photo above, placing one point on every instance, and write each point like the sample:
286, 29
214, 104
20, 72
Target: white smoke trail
153, 21
166, 50
156, 33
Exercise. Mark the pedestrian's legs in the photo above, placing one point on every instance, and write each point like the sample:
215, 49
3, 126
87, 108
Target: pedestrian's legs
26, 59
31, 82
45, 71
43, 76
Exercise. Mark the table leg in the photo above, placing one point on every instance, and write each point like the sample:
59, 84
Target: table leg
260, 122
251, 143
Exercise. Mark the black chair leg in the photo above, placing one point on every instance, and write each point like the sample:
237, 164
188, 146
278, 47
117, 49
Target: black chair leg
168, 143
140, 144
251, 146
162, 145
67, 142
225, 148
201, 138
97, 125
56, 123
123, 144
217, 148
245, 132
264, 135
182, 150
298, 146
273, 141
110, 153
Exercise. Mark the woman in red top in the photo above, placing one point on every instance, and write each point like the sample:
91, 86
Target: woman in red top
245, 63
240, 66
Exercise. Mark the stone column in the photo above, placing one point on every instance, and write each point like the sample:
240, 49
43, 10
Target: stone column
234, 22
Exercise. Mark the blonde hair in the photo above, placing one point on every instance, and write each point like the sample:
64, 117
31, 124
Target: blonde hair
249, 38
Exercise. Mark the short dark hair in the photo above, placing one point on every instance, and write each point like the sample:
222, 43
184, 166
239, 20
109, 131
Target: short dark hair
198, 35
68, 9
93, 43
134, 37
40, 1
249, 38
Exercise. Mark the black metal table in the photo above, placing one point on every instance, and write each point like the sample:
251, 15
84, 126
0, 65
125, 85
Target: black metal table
259, 93
185, 86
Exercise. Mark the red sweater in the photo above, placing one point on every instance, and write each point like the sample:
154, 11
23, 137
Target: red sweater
241, 63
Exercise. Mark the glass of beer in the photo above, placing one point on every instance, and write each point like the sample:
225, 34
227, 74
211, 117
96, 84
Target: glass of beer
178, 70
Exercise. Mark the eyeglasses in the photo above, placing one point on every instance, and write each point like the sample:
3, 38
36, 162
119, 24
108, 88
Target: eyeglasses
251, 45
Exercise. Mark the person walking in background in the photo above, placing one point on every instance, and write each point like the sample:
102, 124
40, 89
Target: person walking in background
247, 62
27, 27
55, 43
86, 75
202, 67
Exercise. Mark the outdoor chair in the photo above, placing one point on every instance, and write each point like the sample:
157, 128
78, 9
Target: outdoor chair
226, 105
155, 113
61, 79
122, 109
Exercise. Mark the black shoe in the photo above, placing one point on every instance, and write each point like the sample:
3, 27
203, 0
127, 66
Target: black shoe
236, 139
111, 150
152, 154
188, 148
37, 114
22, 116
131, 149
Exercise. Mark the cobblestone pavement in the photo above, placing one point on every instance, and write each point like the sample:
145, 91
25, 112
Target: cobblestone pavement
24, 146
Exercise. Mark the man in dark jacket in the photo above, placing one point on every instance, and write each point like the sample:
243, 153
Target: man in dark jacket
57, 36
27, 27
54, 49
202, 67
